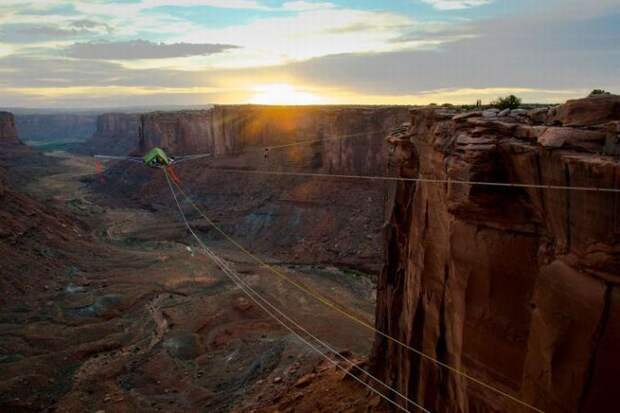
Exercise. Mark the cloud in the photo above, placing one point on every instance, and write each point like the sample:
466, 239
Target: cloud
305, 6
570, 54
456, 4
224, 4
44, 10
304, 35
37, 33
550, 52
24, 71
142, 49
87, 24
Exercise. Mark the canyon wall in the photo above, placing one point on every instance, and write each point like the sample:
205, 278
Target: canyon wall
230, 130
8, 130
55, 127
305, 219
116, 134
517, 287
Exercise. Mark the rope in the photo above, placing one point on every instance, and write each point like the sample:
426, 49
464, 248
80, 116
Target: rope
255, 296
312, 141
421, 180
348, 314
185, 158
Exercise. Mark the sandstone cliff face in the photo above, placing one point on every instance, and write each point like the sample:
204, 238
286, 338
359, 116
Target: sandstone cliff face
306, 219
116, 134
517, 287
8, 131
229, 130
55, 127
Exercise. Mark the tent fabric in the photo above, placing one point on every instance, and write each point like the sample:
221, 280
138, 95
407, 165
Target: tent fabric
156, 156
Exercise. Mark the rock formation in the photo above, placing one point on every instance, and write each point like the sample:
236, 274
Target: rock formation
116, 134
55, 127
27, 226
591, 111
514, 286
229, 130
8, 131
316, 220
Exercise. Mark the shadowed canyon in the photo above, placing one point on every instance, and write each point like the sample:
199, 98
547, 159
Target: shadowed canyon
459, 294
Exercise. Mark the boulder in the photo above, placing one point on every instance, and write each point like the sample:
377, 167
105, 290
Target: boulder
538, 115
593, 110
556, 137
518, 112
467, 115
490, 113
612, 140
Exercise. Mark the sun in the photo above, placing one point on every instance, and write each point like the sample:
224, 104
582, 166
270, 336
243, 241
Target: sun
283, 94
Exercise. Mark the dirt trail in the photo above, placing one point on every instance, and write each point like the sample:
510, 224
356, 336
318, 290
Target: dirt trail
145, 323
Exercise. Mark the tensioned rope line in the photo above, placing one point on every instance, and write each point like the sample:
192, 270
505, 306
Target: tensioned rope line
254, 295
421, 180
394, 178
347, 313
326, 345
334, 139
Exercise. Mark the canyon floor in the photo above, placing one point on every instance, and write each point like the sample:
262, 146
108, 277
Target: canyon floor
137, 319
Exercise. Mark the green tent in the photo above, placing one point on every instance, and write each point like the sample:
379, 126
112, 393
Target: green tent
156, 157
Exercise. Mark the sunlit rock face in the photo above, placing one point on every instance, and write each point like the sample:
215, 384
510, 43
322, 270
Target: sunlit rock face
230, 130
8, 131
298, 218
515, 286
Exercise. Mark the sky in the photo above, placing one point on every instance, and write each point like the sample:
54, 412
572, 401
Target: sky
114, 53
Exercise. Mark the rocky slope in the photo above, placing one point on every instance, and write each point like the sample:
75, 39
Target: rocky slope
55, 127
515, 286
112, 309
301, 218
30, 232
116, 134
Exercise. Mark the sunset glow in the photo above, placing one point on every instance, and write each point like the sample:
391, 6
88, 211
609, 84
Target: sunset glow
283, 94
109, 53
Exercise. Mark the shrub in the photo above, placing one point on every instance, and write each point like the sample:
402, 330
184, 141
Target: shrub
508, 102
597, 92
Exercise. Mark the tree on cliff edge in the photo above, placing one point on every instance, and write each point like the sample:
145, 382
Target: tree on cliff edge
508, 102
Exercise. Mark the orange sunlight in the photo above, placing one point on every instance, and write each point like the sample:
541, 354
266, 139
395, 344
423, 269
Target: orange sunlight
283, 94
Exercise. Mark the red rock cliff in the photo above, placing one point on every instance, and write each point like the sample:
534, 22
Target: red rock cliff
516, 287
302, 218
228, 130
8, 131
116, 134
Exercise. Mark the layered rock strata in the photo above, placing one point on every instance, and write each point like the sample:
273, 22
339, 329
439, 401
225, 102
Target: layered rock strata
298, 218
517, 287
116, 134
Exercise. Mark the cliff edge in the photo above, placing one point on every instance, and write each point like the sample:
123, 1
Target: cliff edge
514, 286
